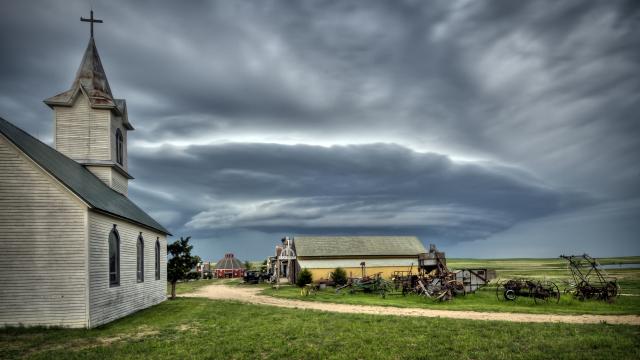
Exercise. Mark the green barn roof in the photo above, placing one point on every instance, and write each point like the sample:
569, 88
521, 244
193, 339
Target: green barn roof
77, 178
333, 246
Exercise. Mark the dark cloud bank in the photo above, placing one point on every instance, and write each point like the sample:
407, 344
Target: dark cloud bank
496, 128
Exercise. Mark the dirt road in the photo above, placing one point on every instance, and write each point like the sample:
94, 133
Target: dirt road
251, 295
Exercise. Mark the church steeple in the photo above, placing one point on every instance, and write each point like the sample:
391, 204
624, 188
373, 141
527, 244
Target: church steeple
91, 75
90, 124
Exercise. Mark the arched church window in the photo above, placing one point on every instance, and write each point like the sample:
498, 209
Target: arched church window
140, 257
157, 259
114, 257
119, 147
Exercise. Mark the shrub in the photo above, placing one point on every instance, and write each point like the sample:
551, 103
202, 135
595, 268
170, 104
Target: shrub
304, 278
339, 276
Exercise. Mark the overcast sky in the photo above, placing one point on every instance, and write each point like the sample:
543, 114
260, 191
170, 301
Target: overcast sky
490, 128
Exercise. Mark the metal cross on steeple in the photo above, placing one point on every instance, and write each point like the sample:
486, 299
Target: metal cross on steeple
91, 20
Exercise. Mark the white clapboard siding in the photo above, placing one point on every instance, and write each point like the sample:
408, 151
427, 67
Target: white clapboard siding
109, 303
83, 133
102, 172
43, 246
119, 183
110, 176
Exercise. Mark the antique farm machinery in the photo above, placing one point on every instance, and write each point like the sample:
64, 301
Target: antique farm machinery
433, 280
367, 284
404, 282
540, 291
440, 288
589, 280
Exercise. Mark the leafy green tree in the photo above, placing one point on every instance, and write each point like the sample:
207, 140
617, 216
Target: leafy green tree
263, 267
248, 265
180, 263
339, 276
304, 277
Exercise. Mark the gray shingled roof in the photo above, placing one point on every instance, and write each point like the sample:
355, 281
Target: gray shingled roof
357, 246
229, 262
77, 178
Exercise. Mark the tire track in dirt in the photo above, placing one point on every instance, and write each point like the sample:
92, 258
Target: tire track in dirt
251, 295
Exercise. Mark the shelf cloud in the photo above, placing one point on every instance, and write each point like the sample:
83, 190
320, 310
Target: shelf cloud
460, 122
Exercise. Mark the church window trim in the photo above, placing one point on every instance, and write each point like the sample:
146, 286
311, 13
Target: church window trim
140, 259
114, 257
119, 147
157, 259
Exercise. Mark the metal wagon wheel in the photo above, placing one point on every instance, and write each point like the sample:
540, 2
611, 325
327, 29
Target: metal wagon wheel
583, 291
611, 291
546, 291
457, 288
505, 291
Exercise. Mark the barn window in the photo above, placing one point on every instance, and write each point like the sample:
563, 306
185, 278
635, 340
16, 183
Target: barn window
158, 259
114, 257
140, 257
119, 147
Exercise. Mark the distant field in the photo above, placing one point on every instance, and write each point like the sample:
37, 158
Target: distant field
485, 299
189, 328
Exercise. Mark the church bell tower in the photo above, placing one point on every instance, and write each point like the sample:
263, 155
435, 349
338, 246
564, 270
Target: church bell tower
90, 126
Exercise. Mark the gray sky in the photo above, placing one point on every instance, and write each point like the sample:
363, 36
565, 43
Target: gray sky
491, 128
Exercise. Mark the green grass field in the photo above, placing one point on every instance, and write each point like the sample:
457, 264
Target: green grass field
189, 328
485, 299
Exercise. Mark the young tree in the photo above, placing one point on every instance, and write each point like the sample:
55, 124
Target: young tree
180, 263
304, 277
339, 276
247, 265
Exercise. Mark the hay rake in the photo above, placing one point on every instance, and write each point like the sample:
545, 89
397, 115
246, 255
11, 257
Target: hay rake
589, 280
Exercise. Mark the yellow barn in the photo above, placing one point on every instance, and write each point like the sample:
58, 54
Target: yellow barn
380, 254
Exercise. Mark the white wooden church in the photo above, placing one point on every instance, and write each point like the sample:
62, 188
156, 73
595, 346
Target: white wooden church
75, 251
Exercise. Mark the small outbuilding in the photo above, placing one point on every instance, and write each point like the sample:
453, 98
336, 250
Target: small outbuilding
229, 267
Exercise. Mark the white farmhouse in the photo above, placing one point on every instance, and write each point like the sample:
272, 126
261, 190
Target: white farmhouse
75, 251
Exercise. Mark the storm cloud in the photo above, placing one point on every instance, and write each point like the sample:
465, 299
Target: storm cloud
456, 121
